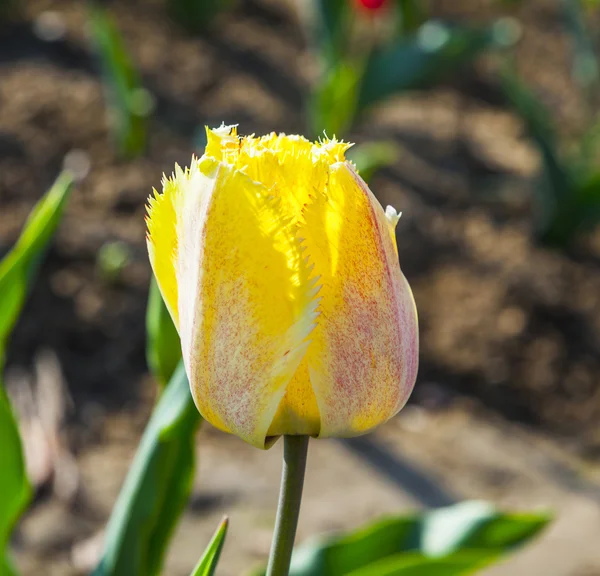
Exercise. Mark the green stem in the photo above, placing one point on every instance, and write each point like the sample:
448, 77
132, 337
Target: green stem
295, 449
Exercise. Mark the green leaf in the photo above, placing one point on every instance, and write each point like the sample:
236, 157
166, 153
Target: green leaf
20, 264
372, 156
163, 348
457, 539
14, 484
17, 271
331, 27
585, 69
208, 563
129, 104
332, 105
418, 61
157, 487
414, 564
412, 15
557, 210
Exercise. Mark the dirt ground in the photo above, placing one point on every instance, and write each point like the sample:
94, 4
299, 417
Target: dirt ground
507, 402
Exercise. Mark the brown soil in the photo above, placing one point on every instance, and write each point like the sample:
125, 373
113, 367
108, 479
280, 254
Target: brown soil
512, 325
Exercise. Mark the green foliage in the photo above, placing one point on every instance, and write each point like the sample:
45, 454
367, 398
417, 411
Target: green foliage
330, 30
129, 104
445, 542
568, 195
163, 348
411, 14
332, 106
418, 61
208, 563
196, 15
585, 64
156, 489
14, 485
17, 271
349, 85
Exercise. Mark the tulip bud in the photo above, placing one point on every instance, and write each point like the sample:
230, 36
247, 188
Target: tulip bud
280, 270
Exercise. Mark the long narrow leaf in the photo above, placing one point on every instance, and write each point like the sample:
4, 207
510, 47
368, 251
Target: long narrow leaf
129, 103
20, 264
14, 485
17, 271
156, 489
208, 563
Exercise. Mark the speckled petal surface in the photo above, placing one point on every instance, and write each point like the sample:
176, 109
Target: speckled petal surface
363, 356
246, 308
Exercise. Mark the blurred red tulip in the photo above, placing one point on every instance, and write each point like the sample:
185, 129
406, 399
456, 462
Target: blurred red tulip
372, 5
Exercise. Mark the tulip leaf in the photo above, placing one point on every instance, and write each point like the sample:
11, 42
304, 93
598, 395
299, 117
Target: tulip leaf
330, 30
20, 264
332, 105
17, 271
417, 61
454, 540
163, 348
129, 104
14, 485
208, 563
412, 15
414, 564
157, 486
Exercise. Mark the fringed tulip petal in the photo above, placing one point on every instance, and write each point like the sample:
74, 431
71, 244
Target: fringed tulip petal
246, 309
364, 352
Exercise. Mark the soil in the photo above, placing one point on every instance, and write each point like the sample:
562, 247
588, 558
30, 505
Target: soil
510, 330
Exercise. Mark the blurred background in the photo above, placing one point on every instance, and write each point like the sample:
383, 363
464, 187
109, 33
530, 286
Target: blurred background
478, 119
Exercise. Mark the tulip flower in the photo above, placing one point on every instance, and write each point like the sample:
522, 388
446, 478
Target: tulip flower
280, 271
371, 5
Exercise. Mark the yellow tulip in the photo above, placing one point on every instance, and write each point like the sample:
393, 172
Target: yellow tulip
280, 270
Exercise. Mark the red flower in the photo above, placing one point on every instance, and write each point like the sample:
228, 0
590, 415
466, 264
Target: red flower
371, 5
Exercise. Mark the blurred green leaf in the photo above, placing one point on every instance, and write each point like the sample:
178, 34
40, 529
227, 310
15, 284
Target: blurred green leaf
585, 64
372, 156
413, 564
17, 271
412, 15
559, 193
332, 105
196, 15
129, 104
14, 484
453, 540
330, 27
157, 487
418, 61
163, 348
208, 563
20, 264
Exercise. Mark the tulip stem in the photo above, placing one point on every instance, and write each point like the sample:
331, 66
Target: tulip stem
295, 449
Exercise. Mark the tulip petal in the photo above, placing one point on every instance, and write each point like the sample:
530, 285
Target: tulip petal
162, 242
246, 303
364, 351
